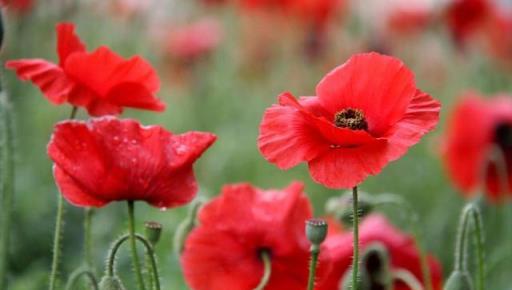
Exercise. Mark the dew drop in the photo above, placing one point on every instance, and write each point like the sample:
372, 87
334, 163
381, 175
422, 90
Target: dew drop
163, 208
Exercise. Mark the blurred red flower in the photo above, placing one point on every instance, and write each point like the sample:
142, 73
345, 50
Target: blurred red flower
316, 12
195, 40
477, 129
223, 252
18, 5
108, 159
401, 248
367, 112
101, 81
465, 17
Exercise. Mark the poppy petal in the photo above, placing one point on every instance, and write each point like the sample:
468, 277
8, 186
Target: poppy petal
48, 77
422, 116
286, 138
73, 192
67, 41
140, 97
348, 167
380, 86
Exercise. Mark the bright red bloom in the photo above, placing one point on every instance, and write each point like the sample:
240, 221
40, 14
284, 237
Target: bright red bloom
101, 81
108, 159
223, 252
367, 112
476, 129
192, 41
465, 17
401, 248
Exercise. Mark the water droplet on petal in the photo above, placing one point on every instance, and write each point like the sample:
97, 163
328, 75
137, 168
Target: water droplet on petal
163, 208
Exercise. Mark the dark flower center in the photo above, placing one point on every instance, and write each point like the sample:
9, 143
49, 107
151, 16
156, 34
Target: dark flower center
503, 136
351, 118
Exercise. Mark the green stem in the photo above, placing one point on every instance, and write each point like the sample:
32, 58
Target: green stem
267, 270
470, 212
73, 278
88, 212
355, 229
392, 199
7, 183
135, 256
56, 243
315, 251
57, 237
149, 250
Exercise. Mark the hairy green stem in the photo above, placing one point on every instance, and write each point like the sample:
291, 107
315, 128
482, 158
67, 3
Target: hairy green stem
133, 244
393, 199
7, 182
470, 212
75, 276
149, 250
355, 229
315, 251
88, 212
57, 237
267, 270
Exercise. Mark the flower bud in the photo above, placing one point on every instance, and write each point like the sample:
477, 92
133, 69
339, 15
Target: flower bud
153, 231
342, 209
185, 227
316, 231
458, 281
111, 283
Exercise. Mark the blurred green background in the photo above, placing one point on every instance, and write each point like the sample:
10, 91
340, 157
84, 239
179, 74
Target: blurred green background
226, 93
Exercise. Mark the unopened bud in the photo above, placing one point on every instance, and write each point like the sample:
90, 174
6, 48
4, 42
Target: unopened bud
185, 227
316, 231
342, 207
153, 231
111, 283
458, 281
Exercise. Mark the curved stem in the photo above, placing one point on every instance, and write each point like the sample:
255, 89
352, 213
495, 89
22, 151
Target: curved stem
315, 251
88, 212
408, 278
79, 273
57, 237
149, 250
267, 270
133, 244
56, 242
355, 261
392, 199
470, 212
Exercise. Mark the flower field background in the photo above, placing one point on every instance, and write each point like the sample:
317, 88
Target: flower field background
225, 90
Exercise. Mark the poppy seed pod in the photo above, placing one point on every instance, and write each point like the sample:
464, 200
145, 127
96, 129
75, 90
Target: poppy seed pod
153, 231
111, 283
458, 281
316, 231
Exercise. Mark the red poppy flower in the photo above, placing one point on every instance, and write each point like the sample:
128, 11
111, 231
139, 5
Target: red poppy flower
223, 252
478, 127
195, 40
20, 6
101, 81
401, 248
108, 159
316, 12
465, 17
367, 112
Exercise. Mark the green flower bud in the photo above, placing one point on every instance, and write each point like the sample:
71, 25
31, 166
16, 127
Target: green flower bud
185, 227
153, 231
316, 231
341, 207
458, 281
111, 283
